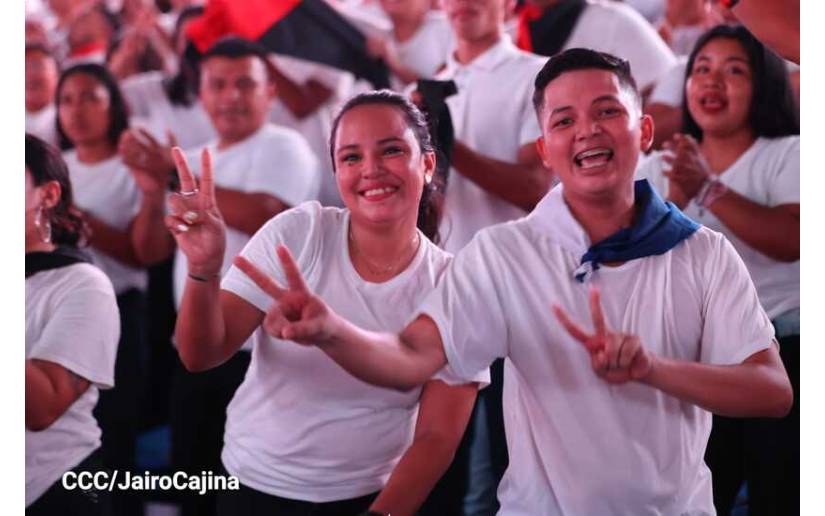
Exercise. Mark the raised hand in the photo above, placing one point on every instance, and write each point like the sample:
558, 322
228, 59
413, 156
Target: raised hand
194, 219
149, 161
615, 357
688, 168
296, 313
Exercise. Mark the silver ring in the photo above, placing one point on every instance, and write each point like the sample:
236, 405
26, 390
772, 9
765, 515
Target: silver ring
188, 194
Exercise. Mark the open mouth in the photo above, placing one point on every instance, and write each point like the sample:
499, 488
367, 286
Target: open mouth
377, 194
592, 158
713, 102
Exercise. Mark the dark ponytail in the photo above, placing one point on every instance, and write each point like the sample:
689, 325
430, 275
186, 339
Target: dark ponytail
432, 197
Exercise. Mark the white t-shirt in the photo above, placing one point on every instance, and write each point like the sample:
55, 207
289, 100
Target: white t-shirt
300, 426
275, 161
767, 174
43, 124
148, 100
108, 191
670, 90
317, 126
427, 50
492, 114
618, 29
579, 446
71, 320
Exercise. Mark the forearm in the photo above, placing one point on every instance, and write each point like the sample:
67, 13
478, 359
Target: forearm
150, 239
770, 231
301, 100
741, 390
247, 212
113, 242
519, 184
382, 359
40, 396
200, 331
414, 476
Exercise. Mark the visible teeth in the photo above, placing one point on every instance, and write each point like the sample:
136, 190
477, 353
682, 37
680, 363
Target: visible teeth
593, 153
379, 191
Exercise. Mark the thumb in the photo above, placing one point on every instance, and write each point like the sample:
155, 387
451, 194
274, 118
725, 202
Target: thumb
302, 330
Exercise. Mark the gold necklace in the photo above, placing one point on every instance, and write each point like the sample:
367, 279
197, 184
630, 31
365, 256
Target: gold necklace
379, 270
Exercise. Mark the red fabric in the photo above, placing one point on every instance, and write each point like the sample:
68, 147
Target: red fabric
527, 13
249, 19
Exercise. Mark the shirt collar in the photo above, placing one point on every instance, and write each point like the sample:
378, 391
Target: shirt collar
488, 61
555, 220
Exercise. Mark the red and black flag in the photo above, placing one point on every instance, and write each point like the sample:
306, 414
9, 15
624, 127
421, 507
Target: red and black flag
306, 29
545, 30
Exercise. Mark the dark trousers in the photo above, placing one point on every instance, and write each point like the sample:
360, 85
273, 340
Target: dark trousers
764, 452
118, 410
197, 420
57, 501
250, 502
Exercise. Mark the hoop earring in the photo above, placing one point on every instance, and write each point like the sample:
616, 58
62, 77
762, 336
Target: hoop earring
43, 227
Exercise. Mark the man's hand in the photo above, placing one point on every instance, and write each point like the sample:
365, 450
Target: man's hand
615, 357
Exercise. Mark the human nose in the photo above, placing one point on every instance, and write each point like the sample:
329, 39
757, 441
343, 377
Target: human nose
588, 128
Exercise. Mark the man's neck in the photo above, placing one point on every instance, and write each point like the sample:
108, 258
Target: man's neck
604, 216
722, 151
95, 152
466, 51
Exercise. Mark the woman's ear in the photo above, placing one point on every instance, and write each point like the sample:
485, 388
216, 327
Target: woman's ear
429, 166
49, 194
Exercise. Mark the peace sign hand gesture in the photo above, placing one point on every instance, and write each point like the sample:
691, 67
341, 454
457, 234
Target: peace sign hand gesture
297, 314
615, 357
194, 219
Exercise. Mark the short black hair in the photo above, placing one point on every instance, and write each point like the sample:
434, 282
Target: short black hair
118, 108
773, 110
234, 47
582, 59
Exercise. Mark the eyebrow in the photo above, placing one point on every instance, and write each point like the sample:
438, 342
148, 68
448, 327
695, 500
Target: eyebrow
603, 98
732, 58
379, 142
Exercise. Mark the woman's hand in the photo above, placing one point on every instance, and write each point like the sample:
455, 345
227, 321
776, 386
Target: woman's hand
688, 168
615, 357
194, 219
296, 314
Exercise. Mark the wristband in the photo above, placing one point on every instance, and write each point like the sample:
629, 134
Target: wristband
203, 279
711, 191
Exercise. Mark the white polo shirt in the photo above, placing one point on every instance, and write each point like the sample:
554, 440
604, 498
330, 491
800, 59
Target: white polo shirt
767, 174
300, 426
492, 114
71, 320
148, 100
618, 29
275, 161
579, 446
108, 191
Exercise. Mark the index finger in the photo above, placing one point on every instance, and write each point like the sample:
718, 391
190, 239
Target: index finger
147, 136
187, 180
599, 325
266, 283
572, 328
291, 271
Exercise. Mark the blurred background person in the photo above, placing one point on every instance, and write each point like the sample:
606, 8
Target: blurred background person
42, 73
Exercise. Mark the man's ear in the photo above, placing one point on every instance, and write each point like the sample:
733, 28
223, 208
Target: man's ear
543, 152
647, 132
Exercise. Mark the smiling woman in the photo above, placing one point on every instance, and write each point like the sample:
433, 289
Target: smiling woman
736, 170
346, 446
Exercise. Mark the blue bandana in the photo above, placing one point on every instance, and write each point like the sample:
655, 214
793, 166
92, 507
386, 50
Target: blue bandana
658, 228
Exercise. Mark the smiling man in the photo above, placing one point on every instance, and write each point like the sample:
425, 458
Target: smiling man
608, 420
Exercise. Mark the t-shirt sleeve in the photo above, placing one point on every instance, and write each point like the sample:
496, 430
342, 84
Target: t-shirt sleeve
82, 334
297, 170
468, 311
636, 40
735, 324
297, 229
784, 182
669, 89
529, 130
